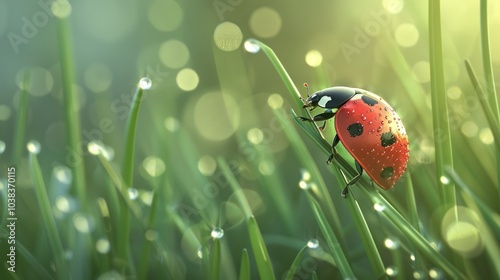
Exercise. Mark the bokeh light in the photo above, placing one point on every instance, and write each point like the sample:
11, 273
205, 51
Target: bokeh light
174, 54
265, 22
406, 35
187, 79
228, 36
165, 15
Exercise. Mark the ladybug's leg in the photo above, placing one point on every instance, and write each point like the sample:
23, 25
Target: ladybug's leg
328, 114
353, 180
336, 140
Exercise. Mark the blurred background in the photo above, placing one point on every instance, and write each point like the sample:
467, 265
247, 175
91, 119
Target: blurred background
210, 101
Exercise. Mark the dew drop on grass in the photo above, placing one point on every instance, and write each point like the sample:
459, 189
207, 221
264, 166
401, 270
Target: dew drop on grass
217, 233
251, 46
133, 193
145, 83
379, 207
435, 273
304, 185
199, 252
94, 148
33, 147
313, 244
412, 257
445, 180
391, 243
2, 147
391, 271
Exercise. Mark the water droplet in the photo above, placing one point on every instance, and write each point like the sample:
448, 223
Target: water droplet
251, 46
371, 110
133, 193
94, 148
370, 122
435, 273
355, 101
102, 245
199, 252
145, 83
62, 174
379, 207
306, 176
33, 147
352, 111
445, 180
304, 185
412, 257
2, 147
391, 243
391, 271
313, 243
217, 233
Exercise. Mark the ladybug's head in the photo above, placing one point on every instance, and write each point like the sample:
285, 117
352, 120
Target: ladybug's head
329, 98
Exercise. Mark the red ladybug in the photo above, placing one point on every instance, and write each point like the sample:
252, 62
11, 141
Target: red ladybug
369, 129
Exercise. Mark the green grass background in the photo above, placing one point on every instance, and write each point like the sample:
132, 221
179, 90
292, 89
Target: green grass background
223, 181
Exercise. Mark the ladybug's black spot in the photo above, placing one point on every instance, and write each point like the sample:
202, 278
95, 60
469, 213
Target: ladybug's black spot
387, 172
355, 129
368, 100
387, 139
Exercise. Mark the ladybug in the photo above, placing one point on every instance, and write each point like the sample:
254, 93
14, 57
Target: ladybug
369, 129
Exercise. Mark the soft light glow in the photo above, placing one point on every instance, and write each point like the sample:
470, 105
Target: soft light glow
33, 147
98, 77
61, 8
166, 15
228, 36
154, 166
486, 136
314, 58
406, 35
220, 124
174, 54
255, 135
469, 129
207, 165
421, 72
102, 245
187, 79
265, 22
275, 101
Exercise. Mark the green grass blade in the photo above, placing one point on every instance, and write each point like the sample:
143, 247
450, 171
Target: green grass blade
490, 116
488, 72
245, 266
215, 265
49, 223
127, 174
442, 138
72, 119
144, 262
296, 262
335, 249
22, 115
259, 250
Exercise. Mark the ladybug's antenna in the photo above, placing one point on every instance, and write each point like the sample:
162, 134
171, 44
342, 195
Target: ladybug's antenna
307, 89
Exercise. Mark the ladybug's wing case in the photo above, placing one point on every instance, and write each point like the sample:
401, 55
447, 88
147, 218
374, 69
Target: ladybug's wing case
374, 135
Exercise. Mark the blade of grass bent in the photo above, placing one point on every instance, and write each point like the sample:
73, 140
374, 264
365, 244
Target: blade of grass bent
49, 223
296, 263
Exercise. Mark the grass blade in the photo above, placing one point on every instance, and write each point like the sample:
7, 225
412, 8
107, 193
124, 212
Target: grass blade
296, 263
245, 266
72, 118
47, 217
490, 116
338, 255
215, 266
442, 138
259, 250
